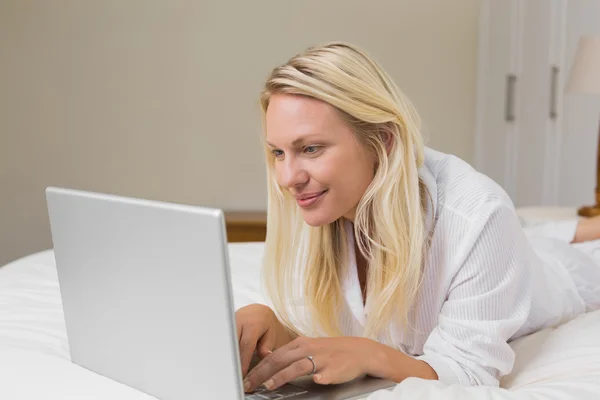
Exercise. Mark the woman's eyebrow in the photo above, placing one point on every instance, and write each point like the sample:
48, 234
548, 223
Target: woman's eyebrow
299, 141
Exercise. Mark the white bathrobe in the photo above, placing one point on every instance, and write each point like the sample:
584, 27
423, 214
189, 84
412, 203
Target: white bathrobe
486, 281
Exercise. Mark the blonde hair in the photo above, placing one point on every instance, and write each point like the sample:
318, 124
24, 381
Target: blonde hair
389, 223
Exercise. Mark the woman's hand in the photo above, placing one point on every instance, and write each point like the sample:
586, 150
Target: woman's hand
337, 360
259, 331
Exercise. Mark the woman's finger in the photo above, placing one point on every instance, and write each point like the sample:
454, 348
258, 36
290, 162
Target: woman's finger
273, 363
335, 372
247, 344
266, 344
300, 368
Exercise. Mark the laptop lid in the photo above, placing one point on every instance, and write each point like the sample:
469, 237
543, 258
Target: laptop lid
146, 293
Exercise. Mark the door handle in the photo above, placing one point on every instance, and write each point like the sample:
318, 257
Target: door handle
509, 111
553, 87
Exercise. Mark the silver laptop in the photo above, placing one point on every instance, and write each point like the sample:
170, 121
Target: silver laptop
146, 294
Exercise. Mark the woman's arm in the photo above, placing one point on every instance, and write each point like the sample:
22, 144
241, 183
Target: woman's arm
392, 364
587, 229
489, 299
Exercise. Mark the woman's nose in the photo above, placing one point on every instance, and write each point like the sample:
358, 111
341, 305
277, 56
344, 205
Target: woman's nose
292, 174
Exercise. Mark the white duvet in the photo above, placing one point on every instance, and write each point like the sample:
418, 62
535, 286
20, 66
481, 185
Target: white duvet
561, 363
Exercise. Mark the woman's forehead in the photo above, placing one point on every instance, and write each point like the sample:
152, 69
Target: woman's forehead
292, 118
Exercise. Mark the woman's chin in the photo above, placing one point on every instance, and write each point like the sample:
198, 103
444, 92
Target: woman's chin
316, 218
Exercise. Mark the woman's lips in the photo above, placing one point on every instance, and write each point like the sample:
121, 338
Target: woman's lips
307, 201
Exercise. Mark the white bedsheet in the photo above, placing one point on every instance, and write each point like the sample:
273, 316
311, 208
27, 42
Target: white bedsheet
562, 363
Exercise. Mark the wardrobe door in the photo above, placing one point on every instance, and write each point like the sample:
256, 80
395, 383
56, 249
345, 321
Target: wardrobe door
537, 75
558, 76
496, 93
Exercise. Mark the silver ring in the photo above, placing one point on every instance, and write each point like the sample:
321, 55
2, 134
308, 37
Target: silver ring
313, 363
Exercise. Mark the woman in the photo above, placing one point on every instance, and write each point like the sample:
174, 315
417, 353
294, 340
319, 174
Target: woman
384, 257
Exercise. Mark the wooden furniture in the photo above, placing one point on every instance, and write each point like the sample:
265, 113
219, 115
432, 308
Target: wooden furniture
246, 226
592, 211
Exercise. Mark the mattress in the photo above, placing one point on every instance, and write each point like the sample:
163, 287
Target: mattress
559, 363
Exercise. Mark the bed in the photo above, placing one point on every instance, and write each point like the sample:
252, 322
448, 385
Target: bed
559, 363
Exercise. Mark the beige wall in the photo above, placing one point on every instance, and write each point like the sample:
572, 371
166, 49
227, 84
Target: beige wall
149, 99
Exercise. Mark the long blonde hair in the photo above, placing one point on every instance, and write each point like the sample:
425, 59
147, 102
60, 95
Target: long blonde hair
389, 226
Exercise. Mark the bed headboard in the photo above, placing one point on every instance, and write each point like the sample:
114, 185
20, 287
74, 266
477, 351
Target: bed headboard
246, 226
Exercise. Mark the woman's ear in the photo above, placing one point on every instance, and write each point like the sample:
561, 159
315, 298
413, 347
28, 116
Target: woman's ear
387, 137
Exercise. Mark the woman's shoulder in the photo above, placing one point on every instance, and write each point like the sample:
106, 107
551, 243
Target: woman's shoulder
461, 189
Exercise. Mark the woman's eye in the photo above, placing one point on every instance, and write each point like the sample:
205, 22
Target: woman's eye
277, 153
311, 149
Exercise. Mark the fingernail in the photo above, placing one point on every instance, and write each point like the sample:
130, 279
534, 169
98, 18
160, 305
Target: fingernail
269, 384
246, 385
318, 377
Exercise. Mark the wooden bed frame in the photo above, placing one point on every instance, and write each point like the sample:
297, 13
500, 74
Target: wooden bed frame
245, 226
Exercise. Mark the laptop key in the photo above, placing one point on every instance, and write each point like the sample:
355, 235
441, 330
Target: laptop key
291, 390
270, 395
283, 392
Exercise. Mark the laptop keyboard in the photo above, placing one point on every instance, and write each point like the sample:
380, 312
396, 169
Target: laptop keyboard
284, 392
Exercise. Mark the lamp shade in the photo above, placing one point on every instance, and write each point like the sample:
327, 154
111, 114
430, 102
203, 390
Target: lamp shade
585, 73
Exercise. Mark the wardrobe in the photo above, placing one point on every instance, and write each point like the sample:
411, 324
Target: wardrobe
535, 140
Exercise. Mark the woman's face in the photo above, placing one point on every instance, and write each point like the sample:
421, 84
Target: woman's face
318, 158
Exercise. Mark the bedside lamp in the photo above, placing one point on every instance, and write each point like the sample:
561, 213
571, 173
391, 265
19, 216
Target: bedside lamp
585, 78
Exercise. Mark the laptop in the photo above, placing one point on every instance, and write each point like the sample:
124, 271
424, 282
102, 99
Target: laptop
147, 299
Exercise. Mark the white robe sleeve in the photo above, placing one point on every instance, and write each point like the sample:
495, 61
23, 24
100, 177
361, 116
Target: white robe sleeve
488, 301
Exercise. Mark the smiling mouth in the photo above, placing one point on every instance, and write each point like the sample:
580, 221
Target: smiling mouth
309, 201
